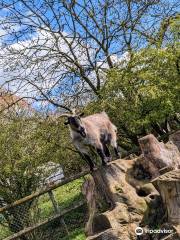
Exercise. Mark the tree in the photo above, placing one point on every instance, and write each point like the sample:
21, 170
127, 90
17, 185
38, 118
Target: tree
59, 51
143, 95
26, 145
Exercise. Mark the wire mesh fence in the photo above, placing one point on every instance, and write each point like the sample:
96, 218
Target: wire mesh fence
51, 213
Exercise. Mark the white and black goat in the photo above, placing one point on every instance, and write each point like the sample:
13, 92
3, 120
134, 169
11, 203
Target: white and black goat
95, 131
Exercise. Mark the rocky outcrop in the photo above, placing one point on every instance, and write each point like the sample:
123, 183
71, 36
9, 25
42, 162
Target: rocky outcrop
175, 138
168, 186
158, 155
127, 198
121, 196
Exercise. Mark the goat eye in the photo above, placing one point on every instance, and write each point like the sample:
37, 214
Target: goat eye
66, 123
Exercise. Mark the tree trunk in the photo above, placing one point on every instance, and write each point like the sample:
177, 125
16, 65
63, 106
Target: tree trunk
168, 186
175, 138
88, 189
159, 155
132, 201
125, 208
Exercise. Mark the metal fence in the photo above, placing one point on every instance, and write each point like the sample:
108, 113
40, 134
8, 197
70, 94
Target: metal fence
40, 216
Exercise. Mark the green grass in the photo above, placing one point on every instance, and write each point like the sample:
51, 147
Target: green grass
65, 195
4, 232
77, 234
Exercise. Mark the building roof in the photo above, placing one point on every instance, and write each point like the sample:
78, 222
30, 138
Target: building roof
8, 100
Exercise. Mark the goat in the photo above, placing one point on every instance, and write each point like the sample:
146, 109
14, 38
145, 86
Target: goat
95, 131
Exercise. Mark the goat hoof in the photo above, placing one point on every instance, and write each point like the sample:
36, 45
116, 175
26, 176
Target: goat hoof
92, 169
118, 156
104, 163
109, 159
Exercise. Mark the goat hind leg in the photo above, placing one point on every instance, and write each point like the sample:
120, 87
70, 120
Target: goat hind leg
117, 153
115, 147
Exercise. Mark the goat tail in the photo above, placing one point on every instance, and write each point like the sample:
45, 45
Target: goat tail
105, 114
114, 128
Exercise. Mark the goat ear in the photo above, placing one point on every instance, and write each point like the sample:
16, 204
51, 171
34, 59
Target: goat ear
81, 114
66, 123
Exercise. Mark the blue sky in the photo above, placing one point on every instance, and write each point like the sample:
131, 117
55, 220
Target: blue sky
26, 35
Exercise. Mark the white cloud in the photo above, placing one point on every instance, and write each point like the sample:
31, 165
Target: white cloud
46, 67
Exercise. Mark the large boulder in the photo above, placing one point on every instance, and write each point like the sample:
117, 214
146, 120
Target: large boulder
158, 155
175, 138
127, 200
121, 196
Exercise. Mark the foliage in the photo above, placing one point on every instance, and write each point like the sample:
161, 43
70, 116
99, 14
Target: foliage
78, 234
143, 94
4, 232
25, 145
59, 51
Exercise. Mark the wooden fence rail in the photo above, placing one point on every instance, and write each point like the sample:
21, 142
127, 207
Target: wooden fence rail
45, 222
43, 191
58, 213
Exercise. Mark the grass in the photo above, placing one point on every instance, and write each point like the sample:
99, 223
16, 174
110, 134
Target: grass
4, 232
77, 234
65, 196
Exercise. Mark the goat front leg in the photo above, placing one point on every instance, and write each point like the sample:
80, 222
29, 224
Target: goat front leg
84, 153
101, 153
89, 161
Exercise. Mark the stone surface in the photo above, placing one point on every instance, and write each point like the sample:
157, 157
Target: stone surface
175, 138
106, 235
159, 155
168, 185
116, 183
131, 199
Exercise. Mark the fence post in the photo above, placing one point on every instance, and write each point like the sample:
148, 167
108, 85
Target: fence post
57, 210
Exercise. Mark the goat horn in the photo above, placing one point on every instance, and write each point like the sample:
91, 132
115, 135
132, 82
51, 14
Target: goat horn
64, 115
73, 111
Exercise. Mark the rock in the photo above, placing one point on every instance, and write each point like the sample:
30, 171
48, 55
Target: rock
168, 185
101, 223
143, 169
88, 189
158, 155
131, 200
175, 138
106, 235
115, 183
